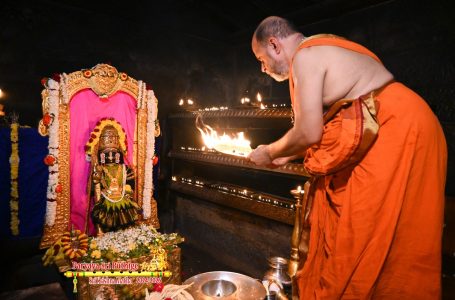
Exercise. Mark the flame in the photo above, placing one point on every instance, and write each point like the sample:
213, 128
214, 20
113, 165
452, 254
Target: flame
259, 97
245, 100
237, 145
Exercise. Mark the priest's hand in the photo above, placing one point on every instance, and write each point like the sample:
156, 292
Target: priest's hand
281, 161
261, 156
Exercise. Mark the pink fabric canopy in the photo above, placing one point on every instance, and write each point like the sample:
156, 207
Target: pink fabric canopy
86, 109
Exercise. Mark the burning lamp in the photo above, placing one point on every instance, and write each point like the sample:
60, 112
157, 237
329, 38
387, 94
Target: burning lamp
255, 103
235, 145
187, 104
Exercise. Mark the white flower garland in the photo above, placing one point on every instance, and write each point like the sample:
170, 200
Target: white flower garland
51, 207
122, 240
64, 87
152, 110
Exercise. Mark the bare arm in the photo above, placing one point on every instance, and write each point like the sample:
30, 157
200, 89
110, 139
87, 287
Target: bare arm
308, 74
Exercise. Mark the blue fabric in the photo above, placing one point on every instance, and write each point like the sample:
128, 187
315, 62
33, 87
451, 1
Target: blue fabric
32, 182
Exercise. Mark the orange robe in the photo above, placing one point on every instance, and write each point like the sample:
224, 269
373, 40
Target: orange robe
376, 227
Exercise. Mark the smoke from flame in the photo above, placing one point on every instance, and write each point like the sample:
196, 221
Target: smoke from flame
237, 145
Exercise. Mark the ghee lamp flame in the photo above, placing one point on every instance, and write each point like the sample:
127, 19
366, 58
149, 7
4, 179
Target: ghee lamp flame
237, 145
181, 102
245, 100
190, 102
259, 97
300, 190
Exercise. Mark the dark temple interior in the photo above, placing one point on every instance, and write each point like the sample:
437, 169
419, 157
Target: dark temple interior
232, 214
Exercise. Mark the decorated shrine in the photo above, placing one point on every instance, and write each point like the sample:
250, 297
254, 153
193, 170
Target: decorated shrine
101, 215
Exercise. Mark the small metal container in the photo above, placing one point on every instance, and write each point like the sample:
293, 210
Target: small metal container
277, 277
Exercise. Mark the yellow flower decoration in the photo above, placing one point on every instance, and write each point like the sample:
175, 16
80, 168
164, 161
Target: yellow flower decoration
14, 206
96, 254
93, 245
14, 175
128, 188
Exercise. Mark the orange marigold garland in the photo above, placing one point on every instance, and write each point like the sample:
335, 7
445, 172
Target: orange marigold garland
74, 244
14, 164
50, 160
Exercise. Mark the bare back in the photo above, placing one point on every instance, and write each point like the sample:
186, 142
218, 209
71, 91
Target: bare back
347, 74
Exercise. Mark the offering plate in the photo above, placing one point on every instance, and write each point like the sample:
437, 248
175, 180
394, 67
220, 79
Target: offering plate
225, 286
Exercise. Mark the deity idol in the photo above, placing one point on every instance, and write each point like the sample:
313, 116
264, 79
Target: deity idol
111, 179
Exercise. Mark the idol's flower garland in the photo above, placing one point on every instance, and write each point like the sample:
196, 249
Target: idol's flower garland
152, 107
53, 186
14, 163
